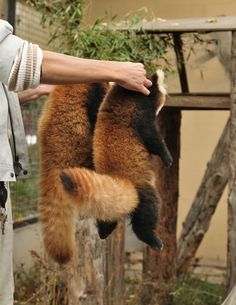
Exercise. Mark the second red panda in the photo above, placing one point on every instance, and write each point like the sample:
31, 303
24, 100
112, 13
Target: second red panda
125, 136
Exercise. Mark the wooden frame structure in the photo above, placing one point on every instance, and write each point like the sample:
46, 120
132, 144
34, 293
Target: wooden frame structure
205, 101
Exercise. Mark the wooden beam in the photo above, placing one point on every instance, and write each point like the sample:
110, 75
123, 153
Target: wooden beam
200, 101
185, 25
231, 256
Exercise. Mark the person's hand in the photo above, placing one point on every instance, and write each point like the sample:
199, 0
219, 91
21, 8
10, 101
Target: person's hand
35, 94
44, 89
133, 76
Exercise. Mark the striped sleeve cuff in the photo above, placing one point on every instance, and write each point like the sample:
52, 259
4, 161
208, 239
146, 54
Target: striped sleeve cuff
26, 70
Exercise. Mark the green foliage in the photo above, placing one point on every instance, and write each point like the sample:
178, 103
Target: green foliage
103, 43
188, 289
192, 290
101, 40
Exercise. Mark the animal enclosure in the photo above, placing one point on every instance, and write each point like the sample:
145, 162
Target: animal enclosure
176, 102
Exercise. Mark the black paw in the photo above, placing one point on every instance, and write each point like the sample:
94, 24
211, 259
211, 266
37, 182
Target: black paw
156, 243
167, 160
150, 238
105, 228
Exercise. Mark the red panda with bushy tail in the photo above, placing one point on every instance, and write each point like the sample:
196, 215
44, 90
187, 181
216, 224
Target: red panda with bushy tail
65, 131
125, 136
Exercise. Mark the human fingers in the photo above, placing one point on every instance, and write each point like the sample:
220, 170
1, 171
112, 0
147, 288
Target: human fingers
147, 83
144, 90
46, 89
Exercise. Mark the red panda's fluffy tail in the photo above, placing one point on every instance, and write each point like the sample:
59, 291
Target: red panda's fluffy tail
58, 218
64, 193
100, 196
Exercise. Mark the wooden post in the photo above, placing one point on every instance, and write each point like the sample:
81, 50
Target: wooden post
178, 47
85, 275
160, 267
11, 12
115, 259
205, 202
231, 257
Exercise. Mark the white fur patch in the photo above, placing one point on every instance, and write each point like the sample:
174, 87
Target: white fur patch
160, 81
162, 89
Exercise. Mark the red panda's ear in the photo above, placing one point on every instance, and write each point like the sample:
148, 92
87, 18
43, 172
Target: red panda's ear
162, 92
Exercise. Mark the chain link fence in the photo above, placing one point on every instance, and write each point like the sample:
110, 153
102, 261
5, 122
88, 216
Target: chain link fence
24, 192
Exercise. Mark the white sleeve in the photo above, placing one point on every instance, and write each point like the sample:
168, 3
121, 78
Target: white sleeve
20, 61
26, 70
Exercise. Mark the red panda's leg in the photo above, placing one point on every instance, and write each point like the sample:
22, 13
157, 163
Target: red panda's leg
154, 142
145, 217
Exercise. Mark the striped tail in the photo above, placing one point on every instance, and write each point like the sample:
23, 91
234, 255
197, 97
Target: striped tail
58, 219
100, 196
65, 193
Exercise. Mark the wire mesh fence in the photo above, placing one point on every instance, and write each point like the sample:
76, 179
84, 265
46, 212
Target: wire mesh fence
28, 25
24, 193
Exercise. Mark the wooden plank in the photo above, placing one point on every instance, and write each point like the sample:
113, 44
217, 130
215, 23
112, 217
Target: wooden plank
186, 25
199, 101
231, 255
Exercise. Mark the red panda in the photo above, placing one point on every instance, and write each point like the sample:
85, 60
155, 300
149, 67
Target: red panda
124, 138
65, 133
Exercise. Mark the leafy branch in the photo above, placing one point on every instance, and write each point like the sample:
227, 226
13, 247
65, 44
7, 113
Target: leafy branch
100, 41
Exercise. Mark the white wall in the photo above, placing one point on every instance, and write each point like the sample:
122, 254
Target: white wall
26, 239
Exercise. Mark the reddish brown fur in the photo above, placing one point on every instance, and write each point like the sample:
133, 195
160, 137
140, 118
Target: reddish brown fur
110, 153
125, 137
66, 146
58, 132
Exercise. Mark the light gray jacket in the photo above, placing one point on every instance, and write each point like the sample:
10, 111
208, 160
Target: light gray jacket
13, 146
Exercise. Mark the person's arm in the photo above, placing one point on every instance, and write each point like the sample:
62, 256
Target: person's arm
64, 69
34, 94
24, 65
